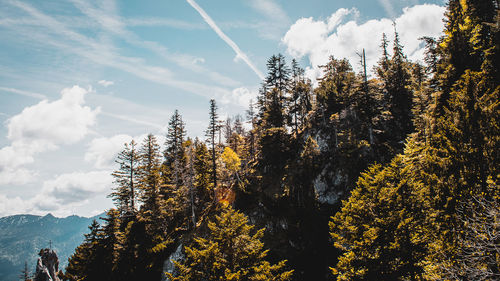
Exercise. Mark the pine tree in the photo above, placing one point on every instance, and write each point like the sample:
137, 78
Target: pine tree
273, 95
376, 228
174, 153
149, 171
126, 179
228, 130
82, 263
203, 182
399, 96
384, 60
252, 119
468, 30
211, 133
300, 100
231, 250
25, 273
335, 87
190, 179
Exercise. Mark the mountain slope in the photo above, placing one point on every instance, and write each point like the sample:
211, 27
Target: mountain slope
22, 237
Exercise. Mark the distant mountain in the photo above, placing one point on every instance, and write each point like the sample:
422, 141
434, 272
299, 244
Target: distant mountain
22, 237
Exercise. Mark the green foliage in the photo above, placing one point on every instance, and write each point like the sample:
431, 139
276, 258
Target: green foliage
336, 86
231, 250
377, 229
174, 151
149, 172
211, 134
411, 213
126, 178
272, 99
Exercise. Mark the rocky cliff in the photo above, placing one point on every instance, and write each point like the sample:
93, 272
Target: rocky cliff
47, 267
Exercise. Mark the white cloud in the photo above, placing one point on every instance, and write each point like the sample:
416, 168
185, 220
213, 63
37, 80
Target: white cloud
12, 206
62, 195
46, 125
318, 39
102, 152
239, 53
240, 96
75, 187
9, 175
105, 83
43, 127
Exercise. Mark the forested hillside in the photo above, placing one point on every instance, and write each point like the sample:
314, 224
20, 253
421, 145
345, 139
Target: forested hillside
393, 176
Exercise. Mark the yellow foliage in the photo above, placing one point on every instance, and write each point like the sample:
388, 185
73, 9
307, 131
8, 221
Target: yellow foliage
231, 160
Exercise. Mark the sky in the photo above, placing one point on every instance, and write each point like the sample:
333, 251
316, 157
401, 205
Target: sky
79, 78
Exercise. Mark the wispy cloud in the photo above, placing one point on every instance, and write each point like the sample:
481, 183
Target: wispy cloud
105, 83
165, 22
133, 120
275, 22
107, 17
23, 93
270, 8
104, 53
388, 7
239, 53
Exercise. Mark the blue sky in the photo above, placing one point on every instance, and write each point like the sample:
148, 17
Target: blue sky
79, 78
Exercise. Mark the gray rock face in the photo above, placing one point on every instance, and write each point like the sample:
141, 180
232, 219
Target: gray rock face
47, 266
328, 191
169, 266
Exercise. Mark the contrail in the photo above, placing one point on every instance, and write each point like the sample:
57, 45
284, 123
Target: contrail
239, 53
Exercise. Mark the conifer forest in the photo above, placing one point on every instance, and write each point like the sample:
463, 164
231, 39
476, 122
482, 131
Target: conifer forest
411, 153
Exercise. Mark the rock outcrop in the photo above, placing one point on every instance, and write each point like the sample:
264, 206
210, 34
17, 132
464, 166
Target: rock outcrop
169, 266
47, 266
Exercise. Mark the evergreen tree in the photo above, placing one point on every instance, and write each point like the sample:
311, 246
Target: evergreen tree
272, 99
211, 133
190, 179
398, 90
335, 86
25, 273
231, 250
82, 263
376, 228
149, 172
468, 31
126, 179
203, 176
174, 152
300, 100
302, 190
252, 119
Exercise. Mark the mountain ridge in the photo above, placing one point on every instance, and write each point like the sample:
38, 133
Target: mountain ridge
23, 235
